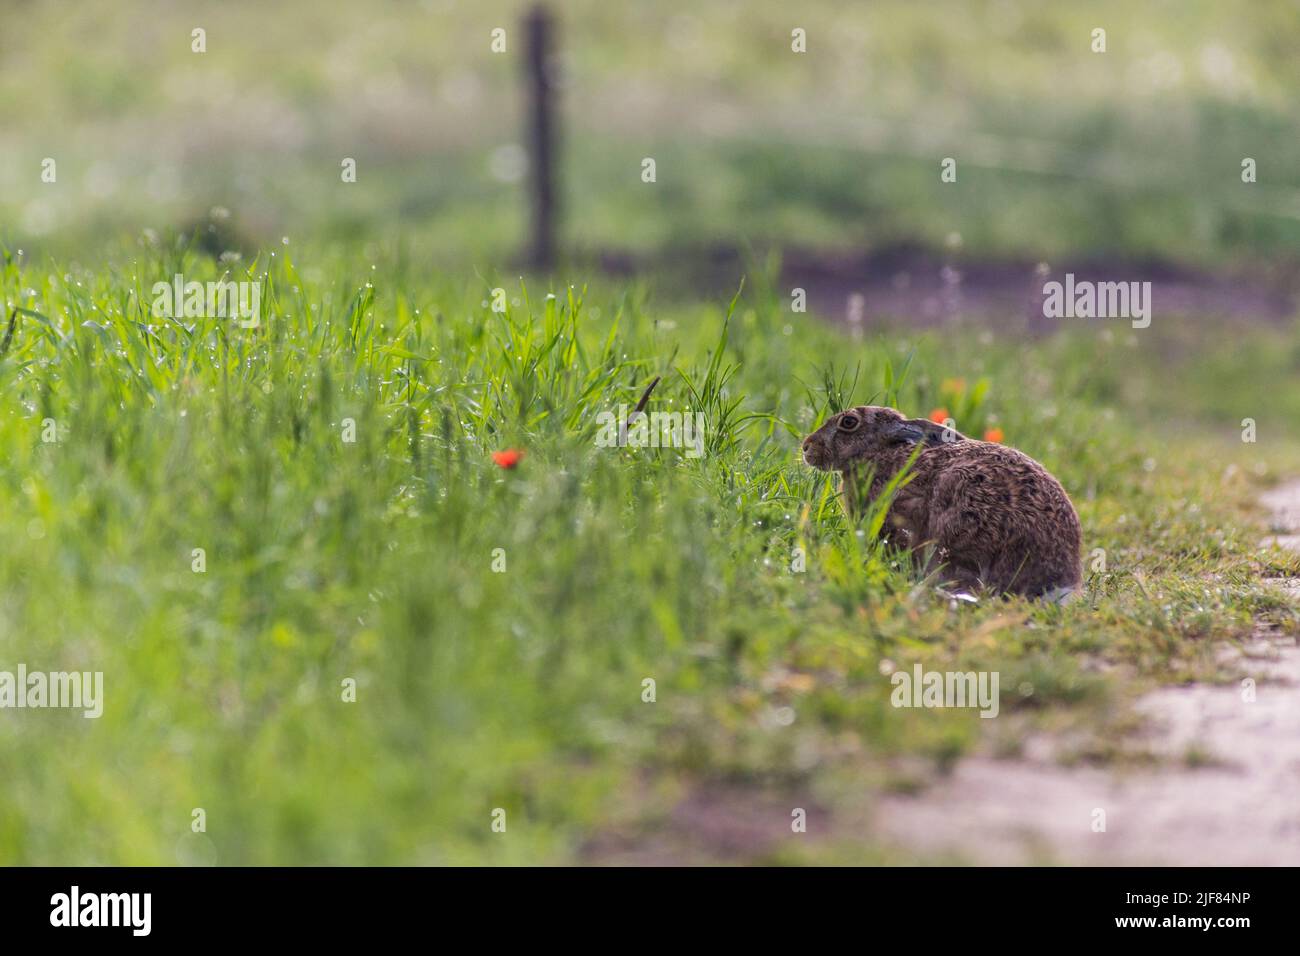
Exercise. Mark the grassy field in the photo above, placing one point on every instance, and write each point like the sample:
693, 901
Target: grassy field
1133, 152
521, 687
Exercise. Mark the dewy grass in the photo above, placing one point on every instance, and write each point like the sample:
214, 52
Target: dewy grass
326, 618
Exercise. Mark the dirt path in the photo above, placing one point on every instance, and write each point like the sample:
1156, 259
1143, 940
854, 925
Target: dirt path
1239, 805
922, 288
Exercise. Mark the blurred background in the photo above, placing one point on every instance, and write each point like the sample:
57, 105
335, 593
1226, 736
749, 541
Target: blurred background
831, 156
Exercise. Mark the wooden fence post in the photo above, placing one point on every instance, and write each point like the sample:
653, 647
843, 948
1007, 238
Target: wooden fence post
539, 29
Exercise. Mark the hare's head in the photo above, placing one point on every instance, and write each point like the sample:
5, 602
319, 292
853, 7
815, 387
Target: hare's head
862, 433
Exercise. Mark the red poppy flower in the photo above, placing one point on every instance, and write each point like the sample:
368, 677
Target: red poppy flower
939, 416
993, 434
508, 458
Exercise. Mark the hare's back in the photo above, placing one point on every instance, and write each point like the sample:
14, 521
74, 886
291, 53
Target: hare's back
1001, 479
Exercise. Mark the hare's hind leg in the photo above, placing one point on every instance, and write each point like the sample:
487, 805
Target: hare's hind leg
936, 563
964, 579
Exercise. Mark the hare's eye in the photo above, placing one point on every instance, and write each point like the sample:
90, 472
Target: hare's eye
848, 423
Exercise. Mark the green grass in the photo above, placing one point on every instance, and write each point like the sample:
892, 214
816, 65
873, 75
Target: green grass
1060, 151
372, 560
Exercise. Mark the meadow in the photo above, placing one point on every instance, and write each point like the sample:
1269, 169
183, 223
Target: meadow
334, 466
1131, 154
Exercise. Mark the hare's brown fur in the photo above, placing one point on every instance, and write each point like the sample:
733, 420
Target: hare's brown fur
992, 515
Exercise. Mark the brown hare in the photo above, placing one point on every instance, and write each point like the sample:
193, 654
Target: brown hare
991, 515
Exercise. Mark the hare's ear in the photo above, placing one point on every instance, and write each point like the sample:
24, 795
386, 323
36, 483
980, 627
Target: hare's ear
914, 430
905, 432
